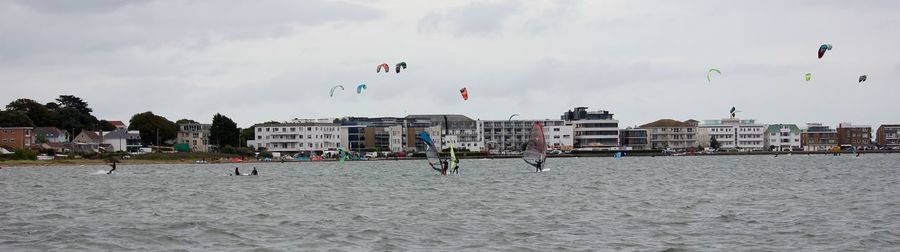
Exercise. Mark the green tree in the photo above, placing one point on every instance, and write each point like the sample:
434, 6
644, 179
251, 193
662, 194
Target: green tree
38, 114
71, 101
70, 118
15, 119
150, 124
714, 144
247, 134
223, 132
52, 106
106, 125
186, 121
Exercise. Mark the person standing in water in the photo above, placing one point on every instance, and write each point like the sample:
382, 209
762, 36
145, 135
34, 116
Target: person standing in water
254, 173
113, 164
538, 165
236, 171
444, 167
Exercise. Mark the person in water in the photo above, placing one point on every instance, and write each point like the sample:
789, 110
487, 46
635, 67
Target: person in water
456, 166
444, 167
237, 172
254, 173
538, 165
113, 164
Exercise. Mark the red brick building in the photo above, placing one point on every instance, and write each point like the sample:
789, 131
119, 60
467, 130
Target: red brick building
16, 137
854, 135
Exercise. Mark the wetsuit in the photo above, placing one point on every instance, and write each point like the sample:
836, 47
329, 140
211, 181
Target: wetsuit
443, 167
236, 172
456, 167
113, 168
254, 173
537, 165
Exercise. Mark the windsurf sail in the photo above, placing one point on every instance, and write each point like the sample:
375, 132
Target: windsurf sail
431, 152
452, 158
535, 150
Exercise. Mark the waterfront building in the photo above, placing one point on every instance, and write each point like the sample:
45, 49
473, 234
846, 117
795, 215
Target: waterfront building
87, 141
122, 140
634, 139
857, 136
594, 130
888, 136
462, 131
672, 134
298, 136
16, 137
733, 133
387, 133
50, 135
503, 136
783, 137
818, 137
195, 136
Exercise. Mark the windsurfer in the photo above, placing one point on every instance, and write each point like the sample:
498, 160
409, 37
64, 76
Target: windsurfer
537, 165
456, 166
444, 167
254, 173
237, 172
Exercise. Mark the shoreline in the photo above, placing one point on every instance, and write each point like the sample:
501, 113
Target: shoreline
80, 162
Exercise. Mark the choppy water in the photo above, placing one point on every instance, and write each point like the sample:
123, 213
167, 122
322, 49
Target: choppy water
640, 203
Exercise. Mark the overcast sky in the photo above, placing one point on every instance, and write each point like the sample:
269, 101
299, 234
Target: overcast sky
256, 61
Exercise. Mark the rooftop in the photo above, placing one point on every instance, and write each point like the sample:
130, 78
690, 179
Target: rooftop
667, 123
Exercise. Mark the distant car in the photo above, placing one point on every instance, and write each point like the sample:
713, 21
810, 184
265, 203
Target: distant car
372, 155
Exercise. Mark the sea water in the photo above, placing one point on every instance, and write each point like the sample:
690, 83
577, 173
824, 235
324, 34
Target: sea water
720, 203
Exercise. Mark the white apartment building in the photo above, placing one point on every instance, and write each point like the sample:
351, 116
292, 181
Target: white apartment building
733, 133
594, 130
783, 137
512, 135
297, 137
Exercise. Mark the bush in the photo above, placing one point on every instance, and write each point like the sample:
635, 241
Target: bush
238, 151
20, 154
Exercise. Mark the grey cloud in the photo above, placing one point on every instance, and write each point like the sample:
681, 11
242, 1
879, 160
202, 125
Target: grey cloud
77, 7
100, 26
562, 11
478, 18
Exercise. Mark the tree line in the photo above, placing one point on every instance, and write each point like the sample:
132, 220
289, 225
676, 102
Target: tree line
73, 114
